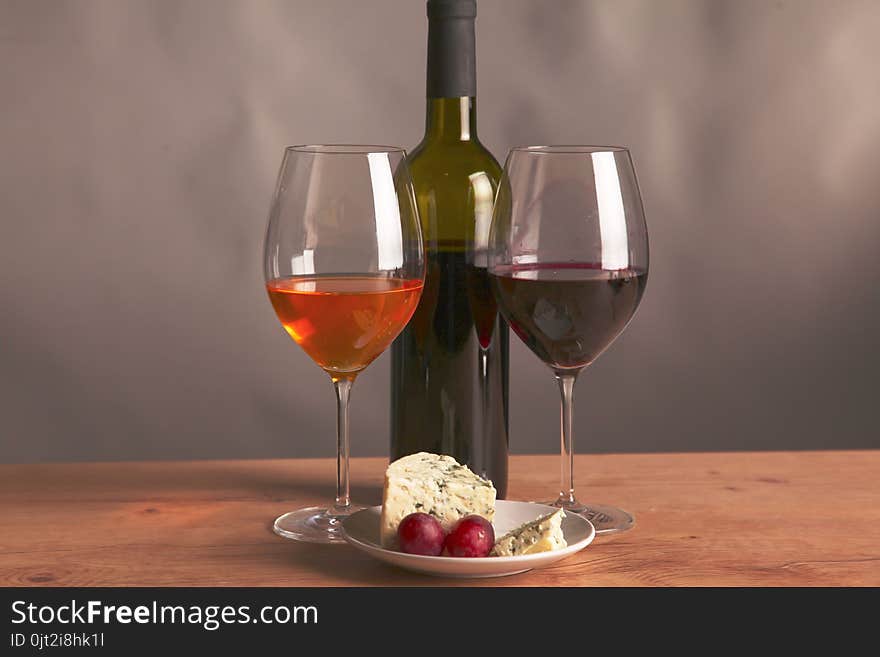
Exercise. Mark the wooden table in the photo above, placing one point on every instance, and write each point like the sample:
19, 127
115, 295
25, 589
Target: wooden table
768, 519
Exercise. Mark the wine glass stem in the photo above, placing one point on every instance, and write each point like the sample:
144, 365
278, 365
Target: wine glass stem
566, 390
483, 444
343, 499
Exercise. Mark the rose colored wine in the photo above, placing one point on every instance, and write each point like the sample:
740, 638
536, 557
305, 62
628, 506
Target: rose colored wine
568, 313
344, 322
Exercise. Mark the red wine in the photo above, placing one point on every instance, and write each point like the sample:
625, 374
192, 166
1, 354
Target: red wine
568, 313
484, 308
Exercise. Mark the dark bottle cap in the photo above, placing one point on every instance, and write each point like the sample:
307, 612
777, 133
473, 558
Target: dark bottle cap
452, 69
452, 8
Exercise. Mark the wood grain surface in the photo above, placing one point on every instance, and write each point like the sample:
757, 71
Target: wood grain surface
729, 519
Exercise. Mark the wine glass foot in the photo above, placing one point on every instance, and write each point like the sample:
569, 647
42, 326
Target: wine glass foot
313, 524
606, 519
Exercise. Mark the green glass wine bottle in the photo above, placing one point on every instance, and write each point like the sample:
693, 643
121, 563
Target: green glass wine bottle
449, 388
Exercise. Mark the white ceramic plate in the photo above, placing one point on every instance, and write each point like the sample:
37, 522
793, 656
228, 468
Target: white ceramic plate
361, 529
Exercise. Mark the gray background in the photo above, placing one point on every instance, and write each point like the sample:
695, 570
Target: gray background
139, 143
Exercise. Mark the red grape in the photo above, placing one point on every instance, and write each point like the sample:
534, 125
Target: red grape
472, 536
420, 533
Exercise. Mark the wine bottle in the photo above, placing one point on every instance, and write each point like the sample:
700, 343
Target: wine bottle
449, 390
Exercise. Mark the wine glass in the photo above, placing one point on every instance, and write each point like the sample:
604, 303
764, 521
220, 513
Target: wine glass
569, 263
344, 268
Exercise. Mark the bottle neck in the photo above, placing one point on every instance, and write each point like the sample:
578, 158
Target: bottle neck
452, 71
451, 119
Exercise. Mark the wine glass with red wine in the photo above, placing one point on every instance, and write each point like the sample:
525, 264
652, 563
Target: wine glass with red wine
344, 268
568, 263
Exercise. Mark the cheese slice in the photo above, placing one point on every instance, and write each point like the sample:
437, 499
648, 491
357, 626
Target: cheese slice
541, 535
436, 484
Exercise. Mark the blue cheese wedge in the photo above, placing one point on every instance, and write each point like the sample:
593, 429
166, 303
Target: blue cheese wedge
436, 484
541, 535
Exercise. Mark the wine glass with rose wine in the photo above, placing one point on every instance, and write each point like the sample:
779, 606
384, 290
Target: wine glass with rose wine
568, 265
344, 269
